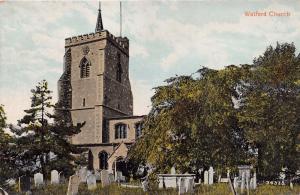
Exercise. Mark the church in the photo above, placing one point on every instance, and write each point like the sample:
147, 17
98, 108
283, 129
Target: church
95, 88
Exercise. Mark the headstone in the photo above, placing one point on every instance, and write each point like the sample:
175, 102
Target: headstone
190, 186
54, 177
24, 184
251, 184
173, 170
210, 175
243, 182
235, 183
291, 185
119, 176
82, 174
219, 178
91, 182
98, 175
228, 173
205, 177
247, 182
111, 177
104, 178
3, 192
254, 181
38, 179
145, 185
181, 189
74, 182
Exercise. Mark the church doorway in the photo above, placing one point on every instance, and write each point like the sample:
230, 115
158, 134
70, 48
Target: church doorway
120, 165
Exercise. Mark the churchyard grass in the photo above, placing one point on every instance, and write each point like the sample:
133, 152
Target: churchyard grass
216, 189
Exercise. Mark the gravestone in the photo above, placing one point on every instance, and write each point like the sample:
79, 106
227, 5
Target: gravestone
235, 183
98, 175
54, 177
243, 182
38, 179
181, 189
24, 184
104, 178
210, 175
3, 192
254, 181
173, 170
205, 177
74, 182
91, 182
111, 177
82, 174
247, 182
251, 184
190, 186
228, 173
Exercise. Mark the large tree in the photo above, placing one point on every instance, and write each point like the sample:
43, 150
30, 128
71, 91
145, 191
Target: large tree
270, 108
193, 123
43, 140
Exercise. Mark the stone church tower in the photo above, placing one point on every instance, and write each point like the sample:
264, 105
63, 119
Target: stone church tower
95, 88
96, 78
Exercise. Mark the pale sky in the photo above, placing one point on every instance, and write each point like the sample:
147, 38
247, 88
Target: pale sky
166, 39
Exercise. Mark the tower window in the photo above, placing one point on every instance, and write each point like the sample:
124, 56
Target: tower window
121, 131
84, 68
119, 69
83, 102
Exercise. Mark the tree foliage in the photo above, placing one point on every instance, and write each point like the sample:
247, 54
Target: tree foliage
42, 141
247, 114
193, 123
270, 109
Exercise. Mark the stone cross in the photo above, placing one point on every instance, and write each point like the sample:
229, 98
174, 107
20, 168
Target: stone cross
104, 178
54, 177
38, 179
91, 182
74, 182
205, 177
211, 176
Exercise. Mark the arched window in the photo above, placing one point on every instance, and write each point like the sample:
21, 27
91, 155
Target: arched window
119, 69
90, 161
84, 68
120, 131
103, 157
138, 129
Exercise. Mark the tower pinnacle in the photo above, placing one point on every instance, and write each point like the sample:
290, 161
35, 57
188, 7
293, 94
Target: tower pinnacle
99, 24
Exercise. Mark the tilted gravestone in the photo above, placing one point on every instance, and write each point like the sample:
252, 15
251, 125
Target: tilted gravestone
24, 184
91, 182
104, 178
38, 179
74, 182
3, 192
54, 177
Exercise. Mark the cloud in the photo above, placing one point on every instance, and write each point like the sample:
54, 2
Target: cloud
142, 91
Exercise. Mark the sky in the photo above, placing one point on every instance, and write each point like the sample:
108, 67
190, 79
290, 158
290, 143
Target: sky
167, 38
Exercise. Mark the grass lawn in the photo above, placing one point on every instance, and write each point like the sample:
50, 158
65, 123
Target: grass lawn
216, 189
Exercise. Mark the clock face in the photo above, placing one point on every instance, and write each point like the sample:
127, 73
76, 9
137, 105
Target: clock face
85, 50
